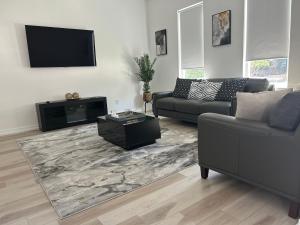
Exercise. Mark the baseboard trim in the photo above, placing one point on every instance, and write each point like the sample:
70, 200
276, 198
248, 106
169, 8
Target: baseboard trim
17, 130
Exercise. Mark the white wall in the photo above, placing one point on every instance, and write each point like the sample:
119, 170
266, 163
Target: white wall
294, 58
120, 32
223, 61
227, 60
162, 14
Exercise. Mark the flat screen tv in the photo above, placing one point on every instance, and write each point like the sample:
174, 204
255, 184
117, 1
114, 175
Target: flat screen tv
60, 47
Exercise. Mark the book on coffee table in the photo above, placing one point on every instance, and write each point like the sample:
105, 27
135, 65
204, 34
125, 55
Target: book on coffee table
125, 116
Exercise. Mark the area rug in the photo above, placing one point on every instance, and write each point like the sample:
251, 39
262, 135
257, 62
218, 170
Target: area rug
78, 169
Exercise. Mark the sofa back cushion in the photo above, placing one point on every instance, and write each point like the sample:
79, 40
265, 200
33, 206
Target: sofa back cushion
229, 89
253, 84
257, 106
286, 114
182, 87
256, 85
205, 90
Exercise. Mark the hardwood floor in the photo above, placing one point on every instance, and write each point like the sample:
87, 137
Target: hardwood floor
181, 199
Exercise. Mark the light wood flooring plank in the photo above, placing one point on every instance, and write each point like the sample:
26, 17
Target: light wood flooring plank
181, 199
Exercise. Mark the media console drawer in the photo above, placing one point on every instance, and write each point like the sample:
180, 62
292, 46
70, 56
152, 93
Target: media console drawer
62, 114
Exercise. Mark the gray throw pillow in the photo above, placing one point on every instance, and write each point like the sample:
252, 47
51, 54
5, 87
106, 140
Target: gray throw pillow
286, 114
257, 106
204, 90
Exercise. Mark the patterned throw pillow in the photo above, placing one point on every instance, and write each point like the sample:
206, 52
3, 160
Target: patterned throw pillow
182, 88
230, 88
204, 90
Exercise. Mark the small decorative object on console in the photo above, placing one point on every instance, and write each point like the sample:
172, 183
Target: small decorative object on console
68, 96
75, 95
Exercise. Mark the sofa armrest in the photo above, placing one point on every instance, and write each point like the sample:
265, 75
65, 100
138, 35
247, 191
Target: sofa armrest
158, 95
252, 151
162, 94
271, 87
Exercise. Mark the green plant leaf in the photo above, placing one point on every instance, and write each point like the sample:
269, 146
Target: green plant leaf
146, 71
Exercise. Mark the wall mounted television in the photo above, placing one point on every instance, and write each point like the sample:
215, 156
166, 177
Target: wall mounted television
60, 47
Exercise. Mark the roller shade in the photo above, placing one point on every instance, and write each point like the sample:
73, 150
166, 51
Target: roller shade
268, 29
191, 37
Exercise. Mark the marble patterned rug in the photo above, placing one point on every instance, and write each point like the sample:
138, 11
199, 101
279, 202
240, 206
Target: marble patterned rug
78, 169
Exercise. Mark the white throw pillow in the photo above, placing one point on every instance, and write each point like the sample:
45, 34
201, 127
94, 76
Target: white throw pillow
204, 90
257, 106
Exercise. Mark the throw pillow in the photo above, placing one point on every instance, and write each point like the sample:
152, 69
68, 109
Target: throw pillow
204, 90
256, 106
182, 88
286, 114
230, 88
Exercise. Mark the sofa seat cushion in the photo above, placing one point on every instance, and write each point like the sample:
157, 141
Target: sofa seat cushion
197, 107
168, 103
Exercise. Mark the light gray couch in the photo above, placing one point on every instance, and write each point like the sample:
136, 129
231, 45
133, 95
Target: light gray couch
252, 152
164, 104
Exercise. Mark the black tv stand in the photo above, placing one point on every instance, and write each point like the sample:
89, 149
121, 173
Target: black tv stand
61, 114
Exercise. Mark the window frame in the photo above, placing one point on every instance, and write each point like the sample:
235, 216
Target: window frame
199, 4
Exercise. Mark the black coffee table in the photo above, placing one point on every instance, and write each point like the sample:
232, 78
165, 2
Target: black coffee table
131, 130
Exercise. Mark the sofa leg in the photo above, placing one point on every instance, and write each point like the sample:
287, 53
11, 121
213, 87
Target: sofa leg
204, 172
294, 210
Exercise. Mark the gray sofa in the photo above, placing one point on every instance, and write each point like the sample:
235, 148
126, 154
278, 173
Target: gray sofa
164, 104
252, 152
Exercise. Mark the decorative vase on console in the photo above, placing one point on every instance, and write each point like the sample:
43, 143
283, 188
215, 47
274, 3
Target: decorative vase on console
145, 75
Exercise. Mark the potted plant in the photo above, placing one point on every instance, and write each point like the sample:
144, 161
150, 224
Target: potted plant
145, 74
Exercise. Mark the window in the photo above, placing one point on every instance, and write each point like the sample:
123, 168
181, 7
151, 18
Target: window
191, 42
275, 70
267, 41
195, 73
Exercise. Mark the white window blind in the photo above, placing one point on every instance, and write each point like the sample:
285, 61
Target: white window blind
268, 29
191, 37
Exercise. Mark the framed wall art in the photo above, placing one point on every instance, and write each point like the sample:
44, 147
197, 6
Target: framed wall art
221, 28
161, 42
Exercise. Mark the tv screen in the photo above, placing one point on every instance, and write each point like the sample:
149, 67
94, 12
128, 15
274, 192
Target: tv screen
60, 47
